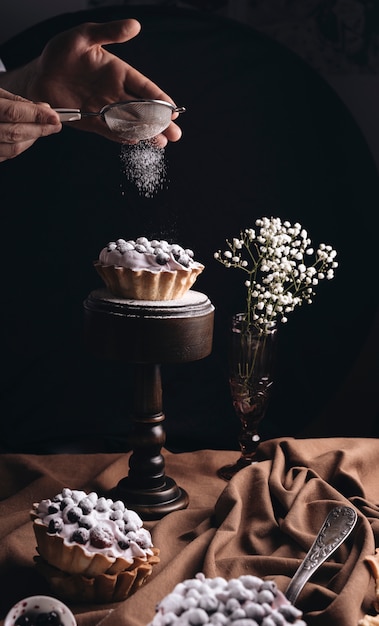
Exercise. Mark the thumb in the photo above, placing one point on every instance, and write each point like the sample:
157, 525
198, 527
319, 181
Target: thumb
117, 31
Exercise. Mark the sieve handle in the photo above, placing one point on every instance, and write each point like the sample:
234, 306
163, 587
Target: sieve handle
69, 115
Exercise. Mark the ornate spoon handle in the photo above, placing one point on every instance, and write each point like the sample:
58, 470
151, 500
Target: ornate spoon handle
337, 526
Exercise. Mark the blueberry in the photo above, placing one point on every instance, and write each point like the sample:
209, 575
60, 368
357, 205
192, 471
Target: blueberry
251, 582
85, 522
142, 240
232, 605
238, 613
162, 258
290, 612
74, 514
184, 259
265, 595
208, 603
268, 621
254, 610
80, 535
142, 542
77, 495
123, 543
176, 250
271, 585
86, 505
118, 505
48, 619
218, 619
55, 526
120, 524
24, 620
39, 619
278, 618
101, 504
196, 617
65, 502
115, 515
130, 526
53, 508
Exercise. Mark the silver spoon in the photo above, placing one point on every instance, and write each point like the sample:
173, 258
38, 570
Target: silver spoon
337, 526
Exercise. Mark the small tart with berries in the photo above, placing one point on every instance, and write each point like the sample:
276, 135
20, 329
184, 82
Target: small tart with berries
87, 536
147, 270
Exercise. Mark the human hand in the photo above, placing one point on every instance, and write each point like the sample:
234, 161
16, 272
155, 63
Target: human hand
75, 71
22, 122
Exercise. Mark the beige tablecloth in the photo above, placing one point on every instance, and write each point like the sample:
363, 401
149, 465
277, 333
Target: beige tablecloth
263, 522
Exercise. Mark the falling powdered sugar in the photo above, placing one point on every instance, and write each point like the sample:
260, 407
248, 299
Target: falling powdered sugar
144, 165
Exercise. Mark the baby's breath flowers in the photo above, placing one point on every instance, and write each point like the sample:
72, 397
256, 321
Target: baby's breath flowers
282, 269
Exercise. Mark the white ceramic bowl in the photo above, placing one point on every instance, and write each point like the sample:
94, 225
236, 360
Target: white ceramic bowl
40, 604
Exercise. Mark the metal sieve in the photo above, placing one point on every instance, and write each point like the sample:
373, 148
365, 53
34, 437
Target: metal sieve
133, 120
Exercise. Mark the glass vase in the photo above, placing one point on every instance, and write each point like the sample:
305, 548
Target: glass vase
252, 355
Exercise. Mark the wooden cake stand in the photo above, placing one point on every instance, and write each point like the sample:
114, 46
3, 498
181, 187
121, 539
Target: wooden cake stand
148, 334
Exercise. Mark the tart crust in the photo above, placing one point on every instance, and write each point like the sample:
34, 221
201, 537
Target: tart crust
103, 588
146, 285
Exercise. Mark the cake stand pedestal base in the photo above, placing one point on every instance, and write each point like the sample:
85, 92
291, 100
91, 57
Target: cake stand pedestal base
148, 334
152, 505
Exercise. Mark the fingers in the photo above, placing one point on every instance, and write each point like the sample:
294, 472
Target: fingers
173, 132
140, 86
10, 151
15, 109
121, 31
16, 138
96, 125
22, 123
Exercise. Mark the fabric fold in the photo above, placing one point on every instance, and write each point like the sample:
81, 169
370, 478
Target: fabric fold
261, 522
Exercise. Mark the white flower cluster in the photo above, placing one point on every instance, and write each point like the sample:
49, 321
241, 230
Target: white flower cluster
279, 278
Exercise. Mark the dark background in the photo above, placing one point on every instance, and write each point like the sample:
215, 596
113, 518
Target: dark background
337, 38
263, 134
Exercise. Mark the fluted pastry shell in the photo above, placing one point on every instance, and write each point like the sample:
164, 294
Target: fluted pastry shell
104, 588
143, 284
74, 559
